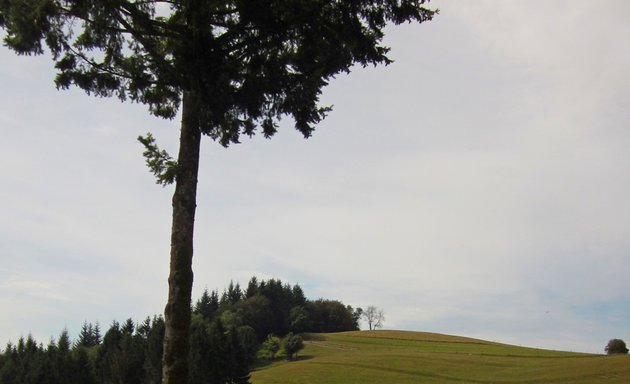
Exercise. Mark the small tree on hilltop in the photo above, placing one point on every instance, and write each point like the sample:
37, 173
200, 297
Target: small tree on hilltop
374, 316
616, 346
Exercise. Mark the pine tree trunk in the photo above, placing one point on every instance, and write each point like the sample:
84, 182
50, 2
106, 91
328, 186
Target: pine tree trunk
180, 280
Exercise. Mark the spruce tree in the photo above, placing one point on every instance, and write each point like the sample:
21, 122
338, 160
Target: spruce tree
63, 344
207, 304
235, 67
9, 364
107, 367
153, 351
252, 287
96, 334
89, 336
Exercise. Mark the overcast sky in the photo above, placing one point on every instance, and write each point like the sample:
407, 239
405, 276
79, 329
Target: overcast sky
478, 186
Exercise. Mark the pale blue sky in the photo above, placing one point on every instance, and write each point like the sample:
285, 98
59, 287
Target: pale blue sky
478, 186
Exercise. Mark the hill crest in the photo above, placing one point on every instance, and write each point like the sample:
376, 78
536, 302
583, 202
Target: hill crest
401, 357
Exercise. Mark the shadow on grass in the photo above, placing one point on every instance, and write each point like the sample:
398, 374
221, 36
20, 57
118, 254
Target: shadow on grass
263, 364
313, 337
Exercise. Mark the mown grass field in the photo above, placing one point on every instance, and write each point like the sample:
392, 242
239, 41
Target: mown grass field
399, 357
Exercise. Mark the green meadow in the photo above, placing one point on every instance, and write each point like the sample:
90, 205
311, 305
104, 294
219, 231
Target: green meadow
400, 357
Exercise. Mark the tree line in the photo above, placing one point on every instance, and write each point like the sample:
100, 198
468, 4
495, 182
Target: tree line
229, 332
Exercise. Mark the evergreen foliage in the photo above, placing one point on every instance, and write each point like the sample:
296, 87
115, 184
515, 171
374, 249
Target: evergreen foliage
273, 307
89, 336
227, 335
31, 363
207, 305
248, 63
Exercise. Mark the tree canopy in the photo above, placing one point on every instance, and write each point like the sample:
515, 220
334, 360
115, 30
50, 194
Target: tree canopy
616, 346
249, 62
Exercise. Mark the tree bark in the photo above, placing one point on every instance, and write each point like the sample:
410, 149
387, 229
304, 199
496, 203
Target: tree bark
177, 312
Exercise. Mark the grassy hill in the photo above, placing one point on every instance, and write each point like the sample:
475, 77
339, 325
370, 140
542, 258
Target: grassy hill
399, 357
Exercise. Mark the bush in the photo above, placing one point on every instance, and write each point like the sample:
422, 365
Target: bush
616, 346
270, 349
292, 344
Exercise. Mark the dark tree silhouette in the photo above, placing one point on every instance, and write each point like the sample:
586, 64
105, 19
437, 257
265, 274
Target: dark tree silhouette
616, 346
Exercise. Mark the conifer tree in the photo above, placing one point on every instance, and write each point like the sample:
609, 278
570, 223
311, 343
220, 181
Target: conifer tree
252, 287
235, 67
80, 371
238, 359
107, 356
207, 305
63, 344
153, 351
96, 334
89, 336
232, 295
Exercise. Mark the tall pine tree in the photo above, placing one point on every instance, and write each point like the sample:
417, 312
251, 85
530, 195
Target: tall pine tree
235, 67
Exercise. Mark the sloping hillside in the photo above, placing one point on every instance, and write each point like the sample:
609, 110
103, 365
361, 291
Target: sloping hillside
400, 357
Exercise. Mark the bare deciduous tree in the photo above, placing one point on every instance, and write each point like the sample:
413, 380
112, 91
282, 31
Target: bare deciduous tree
374, 316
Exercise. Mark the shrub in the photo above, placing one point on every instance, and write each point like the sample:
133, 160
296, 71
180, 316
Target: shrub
292, 344
270, 348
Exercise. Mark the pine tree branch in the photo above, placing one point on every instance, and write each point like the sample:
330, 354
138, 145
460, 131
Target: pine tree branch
161, 164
